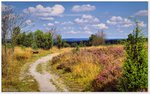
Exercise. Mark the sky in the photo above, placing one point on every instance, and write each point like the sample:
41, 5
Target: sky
81, 19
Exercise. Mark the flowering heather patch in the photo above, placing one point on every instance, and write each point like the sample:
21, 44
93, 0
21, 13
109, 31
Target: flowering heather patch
94, 69
111, 58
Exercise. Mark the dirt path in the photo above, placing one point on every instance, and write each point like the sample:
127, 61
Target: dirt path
47, 82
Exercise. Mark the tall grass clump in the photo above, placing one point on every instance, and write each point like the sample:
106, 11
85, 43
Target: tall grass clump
135, 74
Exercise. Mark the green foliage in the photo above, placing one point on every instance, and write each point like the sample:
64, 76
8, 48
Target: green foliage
135, 75
25, 39
48, 43
29, 39
21, 39
34, 46
38, 39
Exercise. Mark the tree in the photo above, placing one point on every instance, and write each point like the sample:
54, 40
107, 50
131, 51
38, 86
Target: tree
135, 74
29, 39
38, 35
34, 45
6, 17
48, 40
21, 39
97, 39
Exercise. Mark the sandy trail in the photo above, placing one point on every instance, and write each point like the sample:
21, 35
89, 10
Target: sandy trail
44, 78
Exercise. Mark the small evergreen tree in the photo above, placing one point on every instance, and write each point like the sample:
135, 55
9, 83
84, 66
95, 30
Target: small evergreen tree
135, 74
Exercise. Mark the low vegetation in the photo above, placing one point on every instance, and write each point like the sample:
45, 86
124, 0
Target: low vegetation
82, 69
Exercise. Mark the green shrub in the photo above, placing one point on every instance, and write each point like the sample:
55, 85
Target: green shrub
135, 75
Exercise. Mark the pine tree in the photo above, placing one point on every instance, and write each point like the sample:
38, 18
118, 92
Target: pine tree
135, 74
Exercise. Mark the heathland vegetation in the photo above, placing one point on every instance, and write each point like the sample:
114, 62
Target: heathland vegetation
90, 66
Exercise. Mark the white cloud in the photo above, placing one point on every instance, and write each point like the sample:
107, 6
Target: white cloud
142, 13
72, 32
47, 18
29, 22
56, 22
86, 28
50, 24
83, 8
114, 20
67, 28
88, 32
127, 23
40, 10
86, 19
67, 23
70, 15
101, 26
141, 24
57, 10
118, 20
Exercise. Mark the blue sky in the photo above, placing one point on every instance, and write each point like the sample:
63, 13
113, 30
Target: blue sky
81, 19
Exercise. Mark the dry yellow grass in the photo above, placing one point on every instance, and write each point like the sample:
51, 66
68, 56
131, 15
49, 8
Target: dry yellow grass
22, 53
85, 73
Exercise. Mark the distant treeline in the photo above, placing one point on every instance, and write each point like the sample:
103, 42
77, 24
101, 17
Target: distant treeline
107, 41
47, 40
